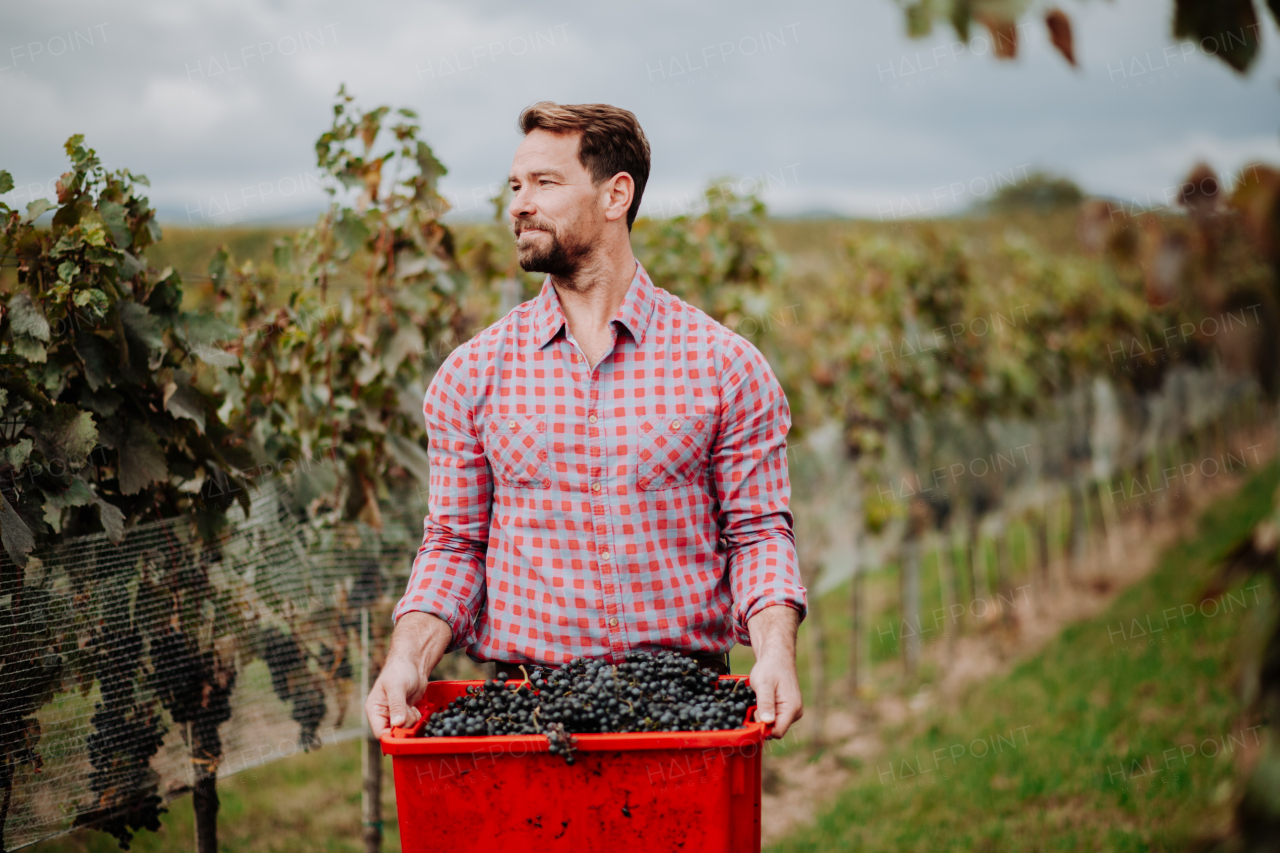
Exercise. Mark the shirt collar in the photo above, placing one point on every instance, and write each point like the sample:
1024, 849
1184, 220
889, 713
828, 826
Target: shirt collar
637, 307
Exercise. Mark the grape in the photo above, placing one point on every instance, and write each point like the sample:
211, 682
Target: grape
647, 692
127, 733
292, 681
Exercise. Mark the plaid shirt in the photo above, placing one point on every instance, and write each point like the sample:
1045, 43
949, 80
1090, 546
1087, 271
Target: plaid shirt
575, 512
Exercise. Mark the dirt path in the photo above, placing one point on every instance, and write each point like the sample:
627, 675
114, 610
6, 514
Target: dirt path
798, 786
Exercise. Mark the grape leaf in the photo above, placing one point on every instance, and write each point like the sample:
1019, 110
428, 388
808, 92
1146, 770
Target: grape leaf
66, 433
1004, 35
6, 182
112, 520
104, 403
129, 265
431, 168
36, 209
351, 232
27, 318
17, 454
17, 537
92, 350
1060, 33
407, 341
1227, 29
141, 325
32, 351
141, 460
186, 402
410, 456
77, 494
114, 215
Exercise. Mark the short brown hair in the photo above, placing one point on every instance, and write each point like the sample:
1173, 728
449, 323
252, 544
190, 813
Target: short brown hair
611, 142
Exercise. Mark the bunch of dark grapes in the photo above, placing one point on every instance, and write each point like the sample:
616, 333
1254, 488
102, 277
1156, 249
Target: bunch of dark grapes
292, 682
127, 734
662, 692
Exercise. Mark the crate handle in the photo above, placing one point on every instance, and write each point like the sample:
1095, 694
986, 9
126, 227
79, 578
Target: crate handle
427, 710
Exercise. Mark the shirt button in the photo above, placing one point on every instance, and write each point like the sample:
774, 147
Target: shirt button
595, 487
512, 425
604, 555
613, 623
593, 418
675, 425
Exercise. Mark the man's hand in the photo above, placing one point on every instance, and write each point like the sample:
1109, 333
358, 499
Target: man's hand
773, 639
417, 644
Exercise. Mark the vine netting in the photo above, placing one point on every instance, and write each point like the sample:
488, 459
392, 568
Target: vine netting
134, 669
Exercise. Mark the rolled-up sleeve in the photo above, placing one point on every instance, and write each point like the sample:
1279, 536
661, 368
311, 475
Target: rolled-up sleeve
448, 577
749, 458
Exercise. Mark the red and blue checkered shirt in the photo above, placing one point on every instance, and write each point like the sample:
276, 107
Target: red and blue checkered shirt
636, 506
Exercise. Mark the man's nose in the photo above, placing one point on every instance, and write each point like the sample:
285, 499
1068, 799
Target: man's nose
521, 204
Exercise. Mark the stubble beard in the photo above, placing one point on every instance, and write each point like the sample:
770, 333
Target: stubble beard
558, 259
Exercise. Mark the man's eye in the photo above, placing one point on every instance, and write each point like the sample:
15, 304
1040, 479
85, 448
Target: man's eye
544, 181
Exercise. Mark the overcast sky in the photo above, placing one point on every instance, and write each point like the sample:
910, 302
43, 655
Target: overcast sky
827, 105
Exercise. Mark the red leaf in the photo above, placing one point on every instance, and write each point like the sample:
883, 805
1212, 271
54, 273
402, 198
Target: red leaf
1004, 35
1060, 33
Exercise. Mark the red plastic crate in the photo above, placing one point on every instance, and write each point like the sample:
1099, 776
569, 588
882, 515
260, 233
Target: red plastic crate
697, 792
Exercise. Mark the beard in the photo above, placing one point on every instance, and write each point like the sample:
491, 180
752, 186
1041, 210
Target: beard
561, 259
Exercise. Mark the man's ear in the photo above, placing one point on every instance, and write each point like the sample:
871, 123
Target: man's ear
618, 193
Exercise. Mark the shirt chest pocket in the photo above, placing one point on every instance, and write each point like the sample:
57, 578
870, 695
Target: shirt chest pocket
517, 450
672, 451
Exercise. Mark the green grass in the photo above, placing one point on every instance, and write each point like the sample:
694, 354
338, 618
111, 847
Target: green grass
1075, 738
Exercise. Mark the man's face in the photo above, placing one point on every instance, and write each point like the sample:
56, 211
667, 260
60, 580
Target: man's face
556, 213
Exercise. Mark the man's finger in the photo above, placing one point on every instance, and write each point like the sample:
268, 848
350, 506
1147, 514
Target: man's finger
788, 713
765, 699
397, 704
376, 711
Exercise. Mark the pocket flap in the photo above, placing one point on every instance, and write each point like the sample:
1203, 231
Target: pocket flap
518, 449
672, 449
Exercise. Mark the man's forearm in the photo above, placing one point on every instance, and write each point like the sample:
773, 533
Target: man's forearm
420, 638
773, 631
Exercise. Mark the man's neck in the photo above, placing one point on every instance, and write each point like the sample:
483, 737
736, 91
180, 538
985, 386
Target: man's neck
592, 297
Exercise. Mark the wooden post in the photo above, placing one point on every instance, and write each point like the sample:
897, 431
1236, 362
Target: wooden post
855, 593
855, 638
204, 796
947, 582
1004, 574
1042, 552
974, 562
817, 706
1111, 522
1079, 535
371, 754
910, 604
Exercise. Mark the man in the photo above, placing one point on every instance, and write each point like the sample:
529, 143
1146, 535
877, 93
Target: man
608, 464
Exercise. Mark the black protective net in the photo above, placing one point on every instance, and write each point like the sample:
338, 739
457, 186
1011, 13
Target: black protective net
127, 671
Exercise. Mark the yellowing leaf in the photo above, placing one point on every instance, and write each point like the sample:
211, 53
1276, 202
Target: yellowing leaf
1004, 35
